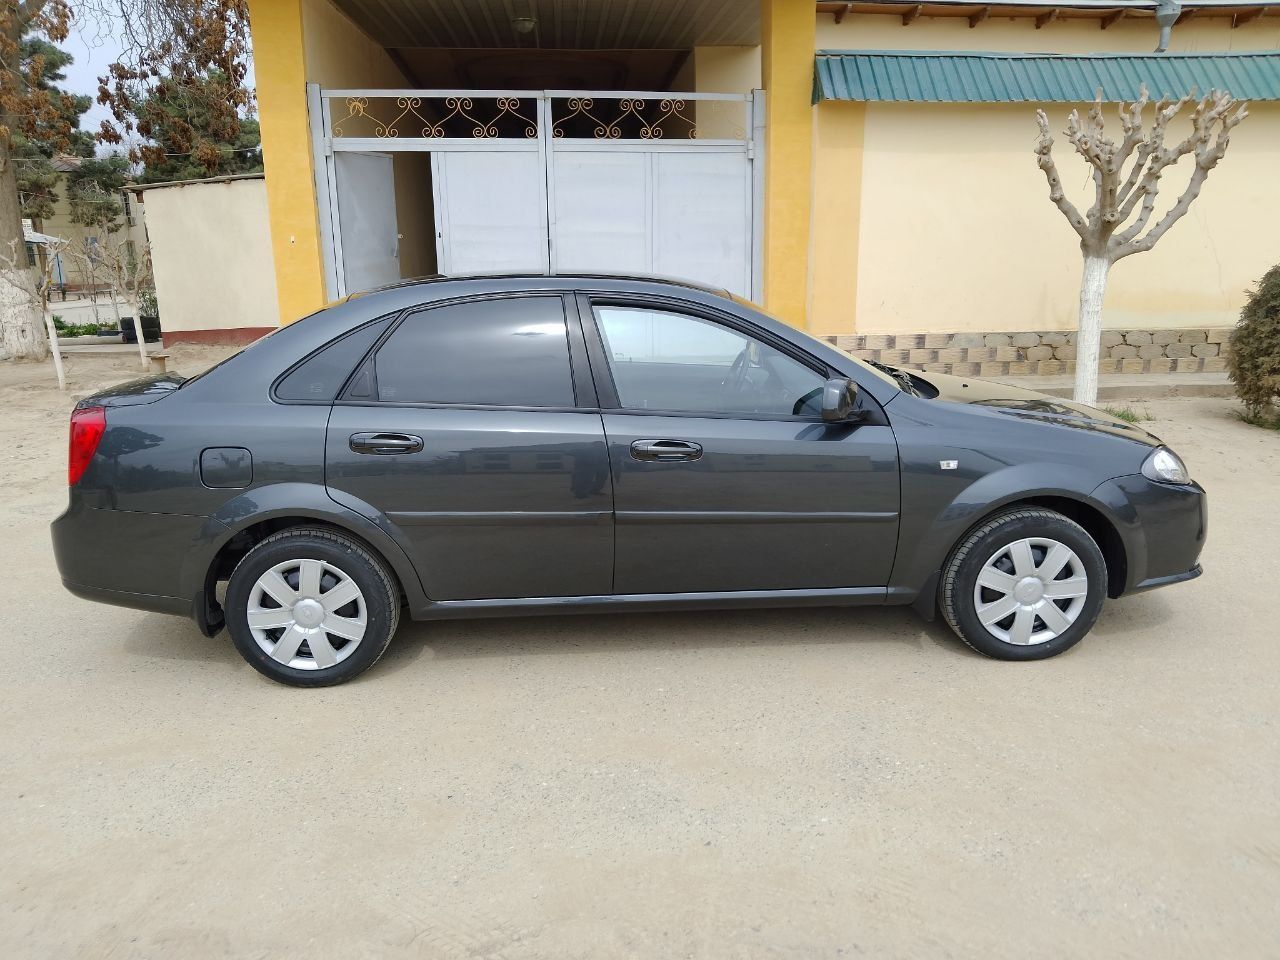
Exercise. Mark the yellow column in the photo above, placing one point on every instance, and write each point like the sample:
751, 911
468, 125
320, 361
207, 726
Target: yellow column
787, 54
280, 72
840, 128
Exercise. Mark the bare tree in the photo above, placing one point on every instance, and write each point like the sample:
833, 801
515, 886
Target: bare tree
53, 250
162, 41
1124, 202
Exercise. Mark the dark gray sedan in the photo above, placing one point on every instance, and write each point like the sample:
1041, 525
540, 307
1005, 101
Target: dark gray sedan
496, 446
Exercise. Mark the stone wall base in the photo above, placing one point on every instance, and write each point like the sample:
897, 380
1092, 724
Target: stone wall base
1200, 350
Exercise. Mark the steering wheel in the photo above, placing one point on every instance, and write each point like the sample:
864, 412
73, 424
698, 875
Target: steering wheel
737, 375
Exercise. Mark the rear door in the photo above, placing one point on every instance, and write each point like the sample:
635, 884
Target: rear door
725, 476
473, 430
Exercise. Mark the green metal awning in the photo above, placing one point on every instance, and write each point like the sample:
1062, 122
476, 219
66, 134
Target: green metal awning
932, 76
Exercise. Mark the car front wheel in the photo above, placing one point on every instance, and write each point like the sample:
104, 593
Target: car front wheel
1025, 585
311, 608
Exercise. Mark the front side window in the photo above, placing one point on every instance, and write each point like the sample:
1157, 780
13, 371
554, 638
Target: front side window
508, 352
672, 361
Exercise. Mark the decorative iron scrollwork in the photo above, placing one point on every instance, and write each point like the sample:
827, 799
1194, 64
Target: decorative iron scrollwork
633, 118
434, 118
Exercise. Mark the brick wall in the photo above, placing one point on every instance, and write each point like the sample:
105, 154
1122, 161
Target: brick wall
1004, 354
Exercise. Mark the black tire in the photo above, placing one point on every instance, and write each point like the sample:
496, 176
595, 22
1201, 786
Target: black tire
970, 556
380, 599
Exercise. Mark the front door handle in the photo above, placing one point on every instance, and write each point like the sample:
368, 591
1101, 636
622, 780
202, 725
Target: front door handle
385, 444
666, 451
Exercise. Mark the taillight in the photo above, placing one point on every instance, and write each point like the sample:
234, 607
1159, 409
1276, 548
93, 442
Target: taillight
87, 426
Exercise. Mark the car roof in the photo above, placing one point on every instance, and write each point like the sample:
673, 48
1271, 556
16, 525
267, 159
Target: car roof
568, 277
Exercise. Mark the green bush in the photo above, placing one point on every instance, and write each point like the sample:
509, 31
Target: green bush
74, 329
1254, 362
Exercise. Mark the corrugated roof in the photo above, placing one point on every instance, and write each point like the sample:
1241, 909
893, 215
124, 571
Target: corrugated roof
931, 76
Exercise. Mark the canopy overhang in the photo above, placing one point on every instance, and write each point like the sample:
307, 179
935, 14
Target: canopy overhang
932, 76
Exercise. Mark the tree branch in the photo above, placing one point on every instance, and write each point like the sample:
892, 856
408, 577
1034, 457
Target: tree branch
1044, 159
1218, 110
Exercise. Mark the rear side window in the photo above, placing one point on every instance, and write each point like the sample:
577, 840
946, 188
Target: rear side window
512, 352
322, 375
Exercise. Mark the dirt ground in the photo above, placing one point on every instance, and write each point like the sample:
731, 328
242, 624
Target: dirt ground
822, 783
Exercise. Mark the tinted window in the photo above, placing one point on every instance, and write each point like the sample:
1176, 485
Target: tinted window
511, 352
670, 361
322, 375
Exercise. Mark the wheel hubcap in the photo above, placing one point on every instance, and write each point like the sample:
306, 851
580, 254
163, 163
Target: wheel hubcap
307, 614
1030, 591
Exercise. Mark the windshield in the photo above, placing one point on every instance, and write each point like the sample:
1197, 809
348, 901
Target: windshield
876, 370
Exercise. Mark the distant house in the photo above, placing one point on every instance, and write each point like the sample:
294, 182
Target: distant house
78, 269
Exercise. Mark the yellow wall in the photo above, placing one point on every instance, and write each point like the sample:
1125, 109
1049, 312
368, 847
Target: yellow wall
939, 219
787, 28
301, 41
839, 136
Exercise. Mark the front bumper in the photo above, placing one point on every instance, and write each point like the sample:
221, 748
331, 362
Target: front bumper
1163, 527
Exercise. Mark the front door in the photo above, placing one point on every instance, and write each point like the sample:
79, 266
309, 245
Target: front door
725, 476
468, 433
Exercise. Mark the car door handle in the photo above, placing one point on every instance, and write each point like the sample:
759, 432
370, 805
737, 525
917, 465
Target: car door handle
385, 444
666, 451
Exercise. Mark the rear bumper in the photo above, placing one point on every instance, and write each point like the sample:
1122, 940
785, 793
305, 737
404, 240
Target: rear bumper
127, 558
137, 601
1152, 582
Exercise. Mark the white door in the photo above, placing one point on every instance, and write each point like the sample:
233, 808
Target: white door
491, 212
679, 213
369, 234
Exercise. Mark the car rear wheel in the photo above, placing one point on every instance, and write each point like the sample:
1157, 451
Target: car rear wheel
311, 608
1025, 585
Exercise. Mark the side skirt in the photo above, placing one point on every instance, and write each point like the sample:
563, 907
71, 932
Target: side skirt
652, 602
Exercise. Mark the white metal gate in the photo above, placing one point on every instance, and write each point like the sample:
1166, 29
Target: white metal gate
555, 181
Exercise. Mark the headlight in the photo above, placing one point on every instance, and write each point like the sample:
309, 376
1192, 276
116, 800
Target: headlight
1165, 466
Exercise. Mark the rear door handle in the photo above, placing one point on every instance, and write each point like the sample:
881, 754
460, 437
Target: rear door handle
666, 451
385, 444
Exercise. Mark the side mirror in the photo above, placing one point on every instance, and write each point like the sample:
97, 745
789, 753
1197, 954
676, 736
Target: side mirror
839, 398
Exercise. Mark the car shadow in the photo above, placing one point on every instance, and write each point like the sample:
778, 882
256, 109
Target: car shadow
158, 637
622, 632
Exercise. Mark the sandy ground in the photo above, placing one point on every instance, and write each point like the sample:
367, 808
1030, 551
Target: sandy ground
785, 784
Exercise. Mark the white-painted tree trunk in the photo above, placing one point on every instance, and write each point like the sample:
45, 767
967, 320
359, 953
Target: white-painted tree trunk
1093, 287
137, 328
22, 334
55, 350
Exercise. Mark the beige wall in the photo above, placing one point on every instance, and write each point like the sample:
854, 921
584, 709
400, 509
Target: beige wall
211, 250
935, 217
339, 54
726, 69
955, 230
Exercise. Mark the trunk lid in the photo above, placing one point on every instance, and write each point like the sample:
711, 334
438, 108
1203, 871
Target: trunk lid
134, 392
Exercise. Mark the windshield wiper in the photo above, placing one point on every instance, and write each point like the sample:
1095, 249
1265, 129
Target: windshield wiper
900, 377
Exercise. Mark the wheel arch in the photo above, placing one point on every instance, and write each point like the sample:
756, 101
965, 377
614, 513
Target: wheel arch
1089, 515
246, 521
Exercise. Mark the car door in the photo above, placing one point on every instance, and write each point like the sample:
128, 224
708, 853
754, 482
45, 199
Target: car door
725, 476
467, 431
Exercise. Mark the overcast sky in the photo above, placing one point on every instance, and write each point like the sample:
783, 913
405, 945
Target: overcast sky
94, 48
